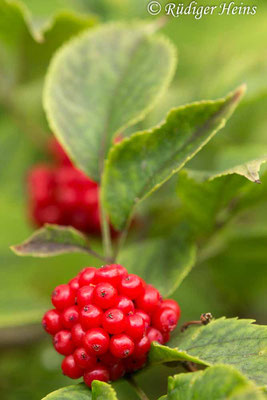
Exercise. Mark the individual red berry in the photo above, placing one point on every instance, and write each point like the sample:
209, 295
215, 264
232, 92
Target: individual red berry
52, 322
125, 305
108, 273
91, 316
122, 271
113, 321
165, 319
90, 197
96, 341
87, 276
100, 373
117, 371
77, 334
67, 197
133, 364
74, 284
70, 316
58, 152
70, 368
47, 214
108, 359
131, 286
83, 359
85, 295
65, 176
63, 297
40, 182
144, 315
149, 299
154, 335
166, 337
142, 347
135, 326
170, 303
63, 343
105, 295
121, 346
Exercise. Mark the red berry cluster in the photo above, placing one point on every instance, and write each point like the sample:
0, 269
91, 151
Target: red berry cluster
104, 322
61, 194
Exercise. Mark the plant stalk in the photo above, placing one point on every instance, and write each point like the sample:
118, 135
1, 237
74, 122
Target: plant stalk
106, 237
141, 394
120, 244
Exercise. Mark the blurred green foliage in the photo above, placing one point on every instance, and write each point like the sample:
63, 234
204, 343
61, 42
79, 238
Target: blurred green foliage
215, 55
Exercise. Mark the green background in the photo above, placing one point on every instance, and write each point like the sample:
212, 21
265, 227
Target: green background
216, 54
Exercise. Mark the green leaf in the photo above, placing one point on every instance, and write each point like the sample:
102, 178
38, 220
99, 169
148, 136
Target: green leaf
211, 198
27, 48
249, 169
172, 257
103, 391
100, 391
232, 256
220, 382
14, 14
53, 240
102, 82
74, 392
223, 341
139, 165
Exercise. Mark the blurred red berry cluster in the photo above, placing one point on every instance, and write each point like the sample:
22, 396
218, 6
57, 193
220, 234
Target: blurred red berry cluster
104, 321
61, 194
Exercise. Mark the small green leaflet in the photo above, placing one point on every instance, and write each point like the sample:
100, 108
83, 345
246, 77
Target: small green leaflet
52, 240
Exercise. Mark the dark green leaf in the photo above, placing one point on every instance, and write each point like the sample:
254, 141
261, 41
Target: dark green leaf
172, 258
139, 165
102, 82
220, 382
52, 240
224, 341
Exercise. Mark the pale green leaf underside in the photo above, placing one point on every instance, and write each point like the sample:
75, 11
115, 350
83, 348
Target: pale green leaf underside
102, 82
171, 258
74, 392
139, 165
220, 382
53, 240
224, 341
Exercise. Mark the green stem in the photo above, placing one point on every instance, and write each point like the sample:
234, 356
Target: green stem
106, 237
121, 241
141, 394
